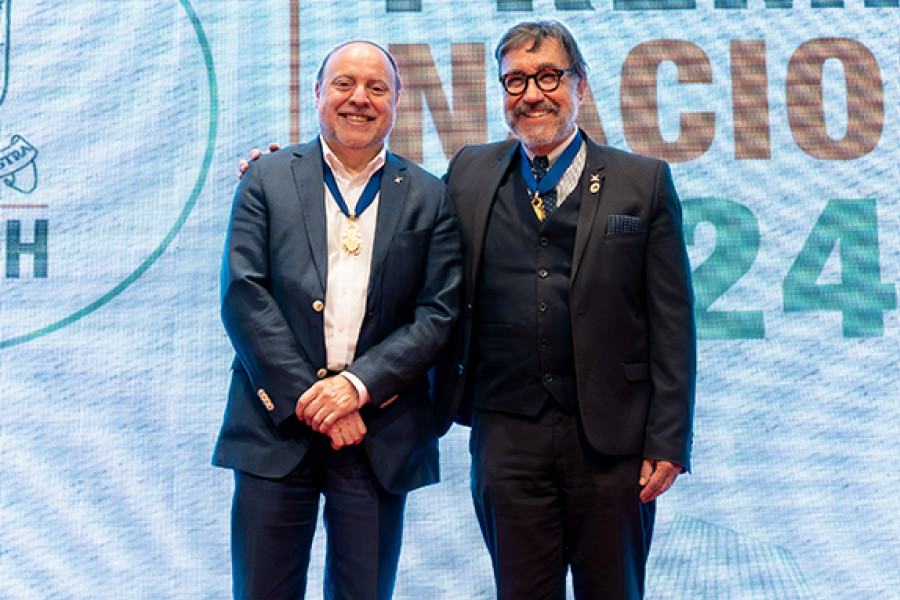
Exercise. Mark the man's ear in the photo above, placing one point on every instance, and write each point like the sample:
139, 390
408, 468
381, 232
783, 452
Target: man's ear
399, 89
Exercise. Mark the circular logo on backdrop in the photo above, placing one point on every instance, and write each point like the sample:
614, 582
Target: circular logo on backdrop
117, 111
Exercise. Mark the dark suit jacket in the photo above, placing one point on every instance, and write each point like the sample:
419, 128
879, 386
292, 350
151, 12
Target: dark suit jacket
631, 300
273, 289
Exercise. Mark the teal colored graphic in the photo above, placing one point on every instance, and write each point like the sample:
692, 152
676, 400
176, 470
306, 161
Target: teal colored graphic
4, 47
25, 154
16, 157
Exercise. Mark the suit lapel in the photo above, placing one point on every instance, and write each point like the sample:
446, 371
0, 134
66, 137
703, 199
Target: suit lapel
488, 187
308, 177
394, 189
592, 180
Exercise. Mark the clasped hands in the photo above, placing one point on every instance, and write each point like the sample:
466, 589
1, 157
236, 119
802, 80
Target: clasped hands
331, 406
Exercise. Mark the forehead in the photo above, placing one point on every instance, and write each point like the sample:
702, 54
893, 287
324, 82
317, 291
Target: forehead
359, 60
523, 58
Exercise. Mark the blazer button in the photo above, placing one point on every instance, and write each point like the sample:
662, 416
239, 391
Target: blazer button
264, 398
318, 306
322, 373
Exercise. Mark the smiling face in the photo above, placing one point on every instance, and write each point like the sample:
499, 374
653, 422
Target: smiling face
356, 97
542, 120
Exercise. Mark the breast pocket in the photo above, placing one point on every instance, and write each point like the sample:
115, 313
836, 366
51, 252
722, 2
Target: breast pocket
633, 237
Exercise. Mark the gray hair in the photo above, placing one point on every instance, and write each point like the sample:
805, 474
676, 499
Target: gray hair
531, 34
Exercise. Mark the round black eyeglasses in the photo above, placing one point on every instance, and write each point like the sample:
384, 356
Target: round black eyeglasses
547, 80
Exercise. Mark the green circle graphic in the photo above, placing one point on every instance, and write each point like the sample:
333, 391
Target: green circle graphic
182, 217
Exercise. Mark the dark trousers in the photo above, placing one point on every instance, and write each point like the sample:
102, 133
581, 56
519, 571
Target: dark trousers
273, 523
547, 502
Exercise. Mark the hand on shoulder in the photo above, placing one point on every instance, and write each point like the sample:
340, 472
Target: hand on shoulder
255, 153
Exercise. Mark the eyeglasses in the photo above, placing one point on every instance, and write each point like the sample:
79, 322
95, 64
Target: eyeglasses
547, 80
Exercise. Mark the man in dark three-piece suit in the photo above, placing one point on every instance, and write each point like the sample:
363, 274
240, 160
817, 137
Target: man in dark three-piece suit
340, 285
576, 354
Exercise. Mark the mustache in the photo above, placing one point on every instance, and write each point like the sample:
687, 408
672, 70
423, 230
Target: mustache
542, 105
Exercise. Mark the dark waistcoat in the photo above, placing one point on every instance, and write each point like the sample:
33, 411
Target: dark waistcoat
522, 329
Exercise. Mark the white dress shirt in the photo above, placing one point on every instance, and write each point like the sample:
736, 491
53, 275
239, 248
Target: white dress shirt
347, 280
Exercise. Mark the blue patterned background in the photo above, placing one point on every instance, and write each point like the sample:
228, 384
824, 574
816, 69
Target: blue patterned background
114, 364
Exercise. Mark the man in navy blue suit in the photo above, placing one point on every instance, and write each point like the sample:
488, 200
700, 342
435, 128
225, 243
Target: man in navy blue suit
339, 285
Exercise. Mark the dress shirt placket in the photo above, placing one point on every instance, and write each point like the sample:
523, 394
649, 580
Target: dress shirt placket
348, 275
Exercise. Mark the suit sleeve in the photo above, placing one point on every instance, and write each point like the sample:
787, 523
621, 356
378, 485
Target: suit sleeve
410, 350
450, 399
265, 346
671, 329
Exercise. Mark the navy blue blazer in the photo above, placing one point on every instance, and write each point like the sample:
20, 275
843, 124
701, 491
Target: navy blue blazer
631, 299
273, 291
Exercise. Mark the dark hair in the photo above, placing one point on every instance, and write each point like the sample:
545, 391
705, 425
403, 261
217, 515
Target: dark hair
532, 34
339, 46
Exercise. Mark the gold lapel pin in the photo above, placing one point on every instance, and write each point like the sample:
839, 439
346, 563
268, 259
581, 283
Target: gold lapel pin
398, 179
595, 183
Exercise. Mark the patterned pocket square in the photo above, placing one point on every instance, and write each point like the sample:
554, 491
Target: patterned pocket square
623, 224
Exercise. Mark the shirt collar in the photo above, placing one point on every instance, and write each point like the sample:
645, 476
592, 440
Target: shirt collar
340, 171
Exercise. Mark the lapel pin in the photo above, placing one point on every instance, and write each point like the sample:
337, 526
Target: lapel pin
595, 183
398, 179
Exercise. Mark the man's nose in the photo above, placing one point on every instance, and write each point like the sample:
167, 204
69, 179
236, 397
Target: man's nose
532, 92
359, 95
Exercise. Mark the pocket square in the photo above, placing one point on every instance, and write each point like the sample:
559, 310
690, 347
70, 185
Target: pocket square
623, 224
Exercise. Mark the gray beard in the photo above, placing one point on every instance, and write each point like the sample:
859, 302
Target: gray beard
551, 138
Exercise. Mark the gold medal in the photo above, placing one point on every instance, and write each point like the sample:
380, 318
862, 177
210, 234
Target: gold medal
351, 239
538, 207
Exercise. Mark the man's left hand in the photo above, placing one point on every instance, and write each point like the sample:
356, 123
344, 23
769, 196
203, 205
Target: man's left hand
348, 431
326, 402
657, 476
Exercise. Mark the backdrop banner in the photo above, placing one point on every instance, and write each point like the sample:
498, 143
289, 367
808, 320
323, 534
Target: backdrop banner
121, 126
